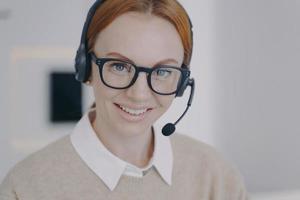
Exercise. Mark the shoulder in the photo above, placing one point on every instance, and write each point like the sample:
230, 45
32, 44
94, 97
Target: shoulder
203, 160
48, 159
194, 151
184, 145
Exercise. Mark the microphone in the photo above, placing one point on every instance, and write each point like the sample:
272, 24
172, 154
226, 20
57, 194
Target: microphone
169, 128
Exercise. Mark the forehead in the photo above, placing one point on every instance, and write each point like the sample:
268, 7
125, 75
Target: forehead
144, 38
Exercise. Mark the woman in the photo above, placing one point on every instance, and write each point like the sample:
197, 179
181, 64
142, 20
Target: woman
134, 54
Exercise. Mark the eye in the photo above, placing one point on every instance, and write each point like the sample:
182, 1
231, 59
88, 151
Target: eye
162, 72
119, 67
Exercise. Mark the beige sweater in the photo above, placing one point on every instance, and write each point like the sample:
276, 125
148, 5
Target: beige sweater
57, 173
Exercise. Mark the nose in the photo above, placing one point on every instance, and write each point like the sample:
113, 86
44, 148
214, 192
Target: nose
139, 91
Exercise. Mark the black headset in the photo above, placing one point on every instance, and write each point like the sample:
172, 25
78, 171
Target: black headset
83, 59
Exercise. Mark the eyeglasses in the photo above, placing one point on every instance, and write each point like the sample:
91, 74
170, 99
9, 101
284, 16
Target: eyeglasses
120, 74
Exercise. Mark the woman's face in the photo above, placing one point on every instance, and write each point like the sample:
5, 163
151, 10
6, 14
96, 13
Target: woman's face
147, 41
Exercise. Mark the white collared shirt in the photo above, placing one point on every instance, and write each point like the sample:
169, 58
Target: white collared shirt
109, 167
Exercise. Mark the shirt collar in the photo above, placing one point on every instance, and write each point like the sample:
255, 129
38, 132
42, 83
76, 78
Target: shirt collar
109, 167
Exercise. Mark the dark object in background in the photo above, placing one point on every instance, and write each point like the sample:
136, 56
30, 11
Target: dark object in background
65, 97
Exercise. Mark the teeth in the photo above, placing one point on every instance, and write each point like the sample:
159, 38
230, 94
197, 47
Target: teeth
132, 111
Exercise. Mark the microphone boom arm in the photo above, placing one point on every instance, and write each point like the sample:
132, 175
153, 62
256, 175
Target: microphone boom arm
191, 83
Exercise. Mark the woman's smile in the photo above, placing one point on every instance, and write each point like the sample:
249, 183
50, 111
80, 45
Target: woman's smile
133, 114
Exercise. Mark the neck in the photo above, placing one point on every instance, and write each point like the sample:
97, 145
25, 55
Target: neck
136, 150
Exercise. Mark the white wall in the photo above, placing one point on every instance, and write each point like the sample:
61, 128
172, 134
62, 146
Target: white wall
4, 156
257, 50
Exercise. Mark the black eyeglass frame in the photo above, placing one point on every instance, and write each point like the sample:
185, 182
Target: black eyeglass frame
185, 73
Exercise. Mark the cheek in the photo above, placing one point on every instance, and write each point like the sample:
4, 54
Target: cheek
103, 93
165, 101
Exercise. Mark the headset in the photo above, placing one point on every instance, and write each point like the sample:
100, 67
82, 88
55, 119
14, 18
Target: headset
83, 65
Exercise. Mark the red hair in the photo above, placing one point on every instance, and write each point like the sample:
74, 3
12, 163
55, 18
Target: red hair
170, 10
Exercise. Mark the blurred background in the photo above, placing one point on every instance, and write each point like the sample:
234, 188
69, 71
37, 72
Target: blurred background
245, 62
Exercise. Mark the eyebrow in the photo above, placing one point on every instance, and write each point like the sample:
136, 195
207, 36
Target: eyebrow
115, 54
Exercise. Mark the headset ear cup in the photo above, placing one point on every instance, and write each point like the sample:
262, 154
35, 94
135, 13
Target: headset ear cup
79, 66
82, 65
182, 87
